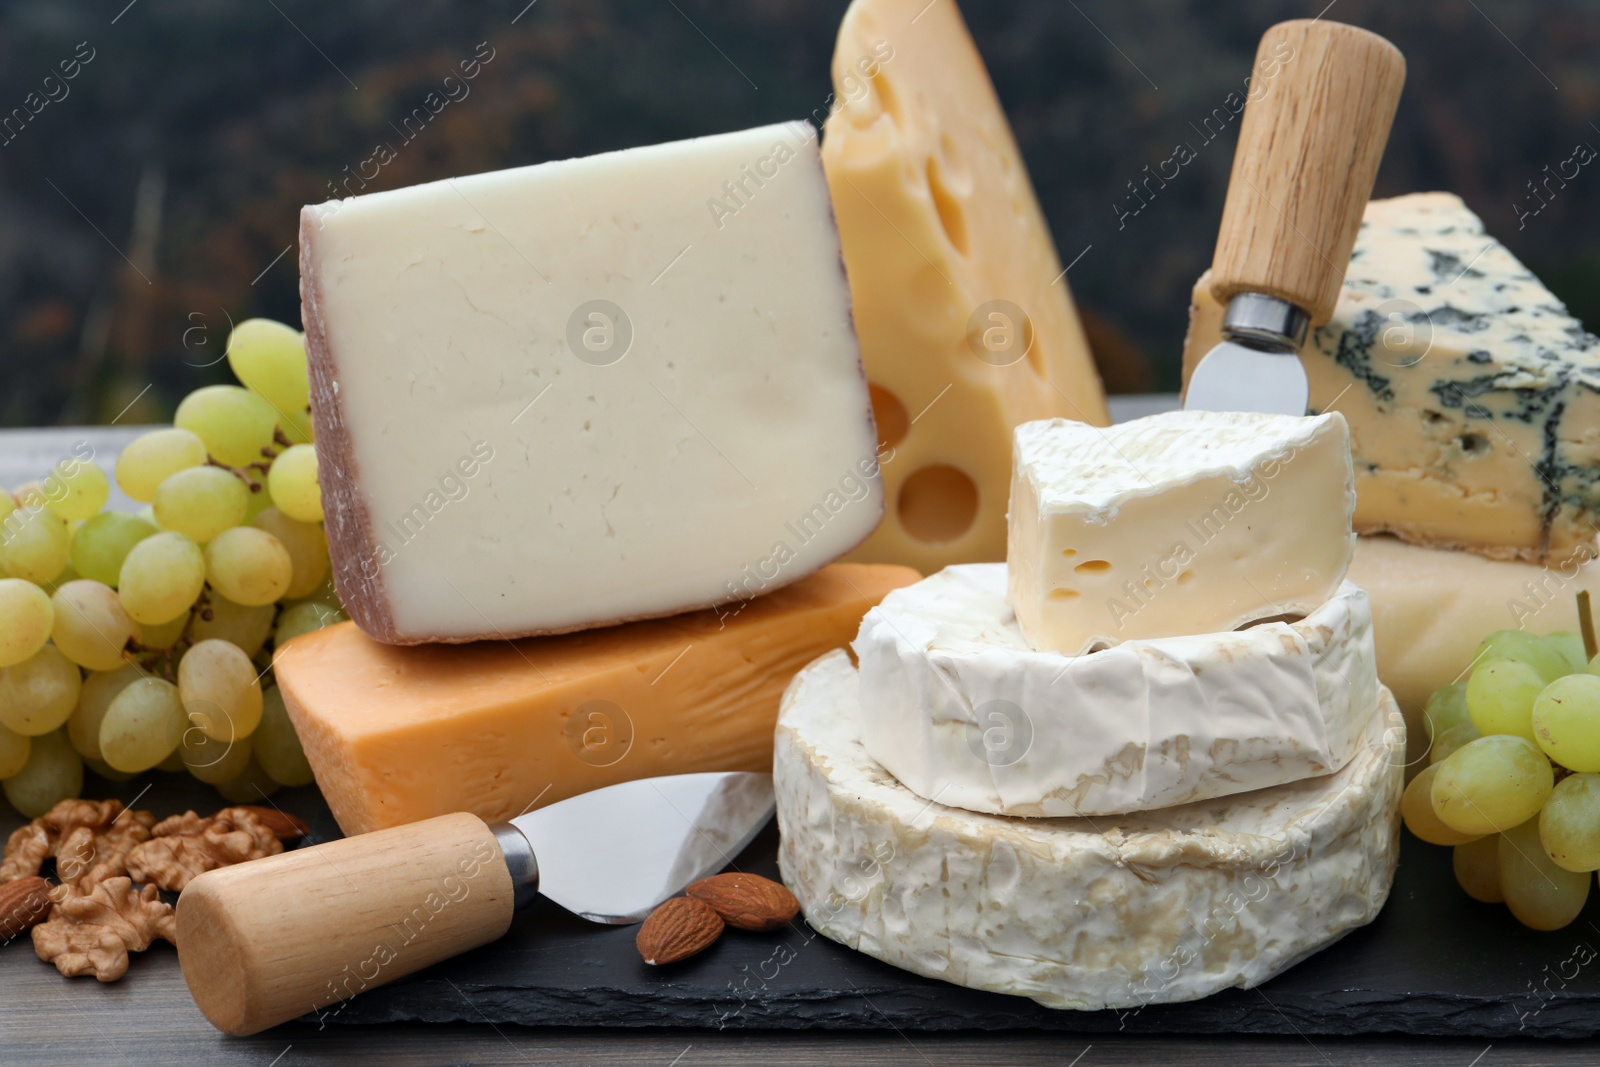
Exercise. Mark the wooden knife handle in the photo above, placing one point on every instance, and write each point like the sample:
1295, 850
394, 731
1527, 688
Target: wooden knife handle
1321, 100
266, 941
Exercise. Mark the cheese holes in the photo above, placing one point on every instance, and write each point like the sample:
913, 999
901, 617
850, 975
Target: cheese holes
1093, 566
890, 415
1069, 552
952, 216
937, 503
1064, 594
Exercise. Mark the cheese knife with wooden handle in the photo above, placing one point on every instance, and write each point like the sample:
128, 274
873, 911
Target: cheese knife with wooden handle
1320, 105
263, 942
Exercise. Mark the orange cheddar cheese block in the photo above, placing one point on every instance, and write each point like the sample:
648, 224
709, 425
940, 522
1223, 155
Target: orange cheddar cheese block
397, 734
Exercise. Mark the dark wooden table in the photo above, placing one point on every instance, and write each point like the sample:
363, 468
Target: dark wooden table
148, 1017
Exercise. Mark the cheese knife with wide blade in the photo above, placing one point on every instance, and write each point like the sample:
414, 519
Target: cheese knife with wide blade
1320, 104
263, 942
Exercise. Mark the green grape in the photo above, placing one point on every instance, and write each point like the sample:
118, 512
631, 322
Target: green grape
142, 726
324, 594
1520, 646
220, 689
302, 619
246, 627
161, 578
162, 636
173, 764
108, 772
248, 566
38, 694
251, 787
1477, 867
52, 774
298, 429
234, 423
1566, 722
92, 628
277, 746
151, 458
1500, 697
307, 546
34, 544
8, 503
101, 544
76, 489
1491, 785
67, 575
270, 358
32, 495
260, 500
1445, 745
1570, 645
1539, 893
14, 749
99, 690
1416, 809
1446, 707
212, 761
1569, 824
293, 481
201, 502
26, 616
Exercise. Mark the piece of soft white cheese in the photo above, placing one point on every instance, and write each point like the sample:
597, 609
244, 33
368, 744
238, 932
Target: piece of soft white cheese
586, 391
1112, 912
956, 706
1187, 522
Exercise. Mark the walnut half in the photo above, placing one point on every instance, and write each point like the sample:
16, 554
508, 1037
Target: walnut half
91, 931
185, 846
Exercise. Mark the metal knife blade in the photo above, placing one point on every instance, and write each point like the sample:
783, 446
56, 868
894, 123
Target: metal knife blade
613, 854
1235, 377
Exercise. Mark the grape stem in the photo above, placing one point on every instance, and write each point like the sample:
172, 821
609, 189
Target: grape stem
281, 438
253, 485
1586, 624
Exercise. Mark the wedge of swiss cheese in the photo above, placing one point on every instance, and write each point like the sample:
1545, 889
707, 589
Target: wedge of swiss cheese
966, 323
496, 728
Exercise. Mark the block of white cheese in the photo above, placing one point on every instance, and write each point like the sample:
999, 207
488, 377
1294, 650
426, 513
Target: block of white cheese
586, 391
1431, 607
964, 309
957, 706
1169, 905
1473, 395
1187, 522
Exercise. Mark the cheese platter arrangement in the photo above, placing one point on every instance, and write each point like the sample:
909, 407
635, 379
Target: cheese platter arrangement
702, 585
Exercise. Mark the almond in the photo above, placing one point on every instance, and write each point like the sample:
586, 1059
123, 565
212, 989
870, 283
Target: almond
677, 929
747, 901
24, 903
284, 827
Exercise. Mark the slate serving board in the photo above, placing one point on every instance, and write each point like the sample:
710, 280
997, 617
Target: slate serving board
1434, 962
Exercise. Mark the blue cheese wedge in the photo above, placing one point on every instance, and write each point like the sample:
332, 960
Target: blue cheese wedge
1114, 912
1473, 396
957, 706
1187, 522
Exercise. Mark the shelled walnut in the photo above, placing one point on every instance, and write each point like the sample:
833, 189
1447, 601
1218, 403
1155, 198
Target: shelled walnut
91, 931
112, 864
184, 846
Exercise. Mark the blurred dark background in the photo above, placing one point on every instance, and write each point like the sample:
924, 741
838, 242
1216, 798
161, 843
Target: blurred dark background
154, 195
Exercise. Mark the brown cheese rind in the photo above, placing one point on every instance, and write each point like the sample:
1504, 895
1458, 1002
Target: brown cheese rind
348, 524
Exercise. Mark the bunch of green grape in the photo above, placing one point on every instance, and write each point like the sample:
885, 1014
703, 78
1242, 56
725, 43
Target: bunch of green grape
132, 641
1513, 780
